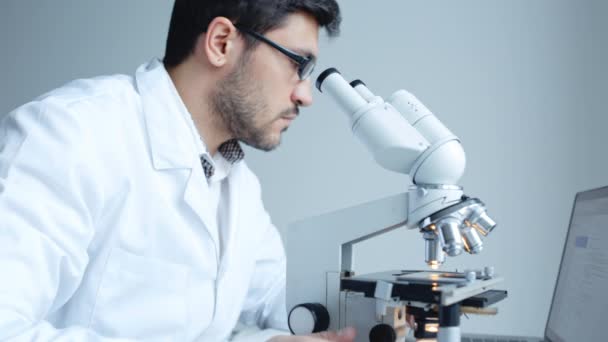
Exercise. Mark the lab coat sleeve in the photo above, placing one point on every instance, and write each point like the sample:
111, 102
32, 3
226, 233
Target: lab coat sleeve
47, 212
266, 303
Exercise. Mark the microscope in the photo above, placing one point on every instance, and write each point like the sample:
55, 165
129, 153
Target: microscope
323, 290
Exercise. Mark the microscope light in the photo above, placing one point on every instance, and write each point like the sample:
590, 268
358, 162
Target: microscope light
431, 327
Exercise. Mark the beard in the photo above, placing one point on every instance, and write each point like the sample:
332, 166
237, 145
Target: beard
238, 101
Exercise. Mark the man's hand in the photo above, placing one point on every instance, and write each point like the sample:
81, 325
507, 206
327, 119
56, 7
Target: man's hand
344, 335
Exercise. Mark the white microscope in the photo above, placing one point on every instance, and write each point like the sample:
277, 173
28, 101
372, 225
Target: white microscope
323, 291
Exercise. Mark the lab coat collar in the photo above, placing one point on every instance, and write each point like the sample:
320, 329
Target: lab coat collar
171, 143
170, 147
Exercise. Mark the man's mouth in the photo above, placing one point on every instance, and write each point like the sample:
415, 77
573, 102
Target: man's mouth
291, 114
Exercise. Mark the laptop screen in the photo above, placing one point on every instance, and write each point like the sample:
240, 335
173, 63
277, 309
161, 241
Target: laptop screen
580, 303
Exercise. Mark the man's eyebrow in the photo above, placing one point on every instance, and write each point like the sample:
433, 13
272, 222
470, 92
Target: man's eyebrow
305, 52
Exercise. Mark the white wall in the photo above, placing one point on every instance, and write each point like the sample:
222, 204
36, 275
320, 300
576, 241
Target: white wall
521, 82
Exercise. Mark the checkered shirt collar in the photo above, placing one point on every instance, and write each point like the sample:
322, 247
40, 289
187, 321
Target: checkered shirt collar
231, 151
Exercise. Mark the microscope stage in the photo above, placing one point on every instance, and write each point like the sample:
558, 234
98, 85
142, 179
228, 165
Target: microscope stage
436, 287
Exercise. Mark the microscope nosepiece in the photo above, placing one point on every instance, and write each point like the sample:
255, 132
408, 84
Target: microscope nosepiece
458, 227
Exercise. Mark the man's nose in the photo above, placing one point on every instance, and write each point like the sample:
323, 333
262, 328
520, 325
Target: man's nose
302, 94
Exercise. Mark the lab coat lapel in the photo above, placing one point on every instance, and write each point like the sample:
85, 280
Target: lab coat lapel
197, 190
171, 141
231, 227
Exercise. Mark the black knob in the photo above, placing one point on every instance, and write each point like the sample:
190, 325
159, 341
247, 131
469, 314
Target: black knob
382, 333
308, 318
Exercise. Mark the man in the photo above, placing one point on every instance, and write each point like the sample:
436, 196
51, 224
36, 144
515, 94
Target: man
126, 210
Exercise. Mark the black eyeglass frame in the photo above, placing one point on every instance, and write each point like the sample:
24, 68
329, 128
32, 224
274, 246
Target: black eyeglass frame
306, 64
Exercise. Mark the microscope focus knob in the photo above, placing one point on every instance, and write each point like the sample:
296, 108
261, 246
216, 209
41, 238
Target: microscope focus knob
382, 333
308, 318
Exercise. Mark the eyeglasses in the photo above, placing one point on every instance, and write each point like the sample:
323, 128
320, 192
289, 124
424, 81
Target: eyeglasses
306, 64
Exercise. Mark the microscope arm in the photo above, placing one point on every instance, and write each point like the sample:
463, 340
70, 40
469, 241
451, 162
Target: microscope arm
320, 249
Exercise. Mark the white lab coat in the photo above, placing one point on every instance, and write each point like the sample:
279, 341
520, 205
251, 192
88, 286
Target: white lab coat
104, 232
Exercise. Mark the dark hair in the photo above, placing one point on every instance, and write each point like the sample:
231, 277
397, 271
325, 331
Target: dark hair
190, 18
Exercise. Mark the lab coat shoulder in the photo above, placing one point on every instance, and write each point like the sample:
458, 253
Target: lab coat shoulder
76, 113
50, 137
95, 104
78, 127
49, 200
103, 106
87, 88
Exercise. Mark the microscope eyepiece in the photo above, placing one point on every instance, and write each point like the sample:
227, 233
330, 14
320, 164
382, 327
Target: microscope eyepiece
356, 83
323, 76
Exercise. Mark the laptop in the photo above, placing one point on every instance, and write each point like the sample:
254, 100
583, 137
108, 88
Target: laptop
579, 308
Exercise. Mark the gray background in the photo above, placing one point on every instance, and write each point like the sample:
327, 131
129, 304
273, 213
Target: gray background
521, 83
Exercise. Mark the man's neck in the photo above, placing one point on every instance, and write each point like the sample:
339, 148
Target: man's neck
195, 92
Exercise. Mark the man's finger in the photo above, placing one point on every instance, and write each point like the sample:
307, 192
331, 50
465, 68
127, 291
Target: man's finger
344, 335
411, 321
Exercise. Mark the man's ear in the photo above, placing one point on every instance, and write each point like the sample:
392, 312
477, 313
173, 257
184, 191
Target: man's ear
219, 43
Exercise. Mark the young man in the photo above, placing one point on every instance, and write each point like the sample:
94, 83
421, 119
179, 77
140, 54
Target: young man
126, 209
